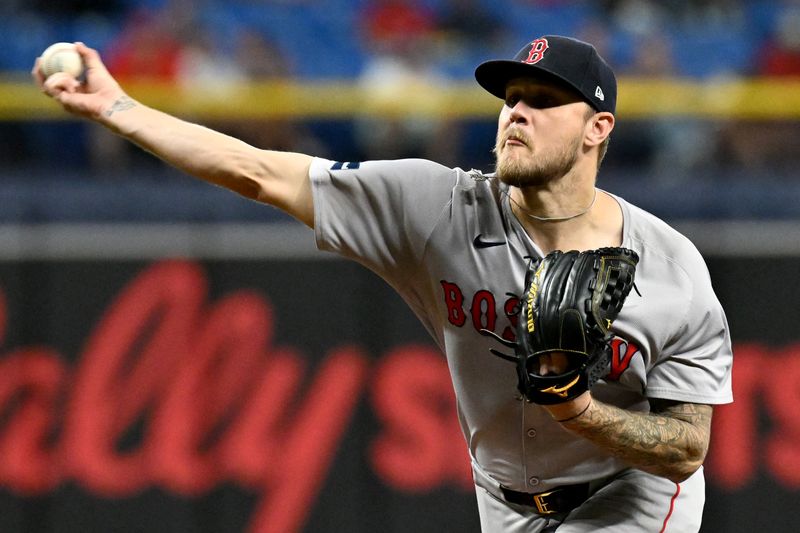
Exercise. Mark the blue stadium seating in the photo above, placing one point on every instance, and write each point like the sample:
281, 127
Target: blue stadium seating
322, 38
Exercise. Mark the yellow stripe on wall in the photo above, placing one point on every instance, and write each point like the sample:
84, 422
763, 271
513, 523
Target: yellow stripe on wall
638, 99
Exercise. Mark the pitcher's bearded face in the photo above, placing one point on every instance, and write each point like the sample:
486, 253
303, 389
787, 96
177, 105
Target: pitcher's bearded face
521, 163
540, 131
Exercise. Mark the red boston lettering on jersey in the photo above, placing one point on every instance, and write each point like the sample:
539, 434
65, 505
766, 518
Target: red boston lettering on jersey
536, 53
511, 309
621, 354
482, 310
454, 300
484, 314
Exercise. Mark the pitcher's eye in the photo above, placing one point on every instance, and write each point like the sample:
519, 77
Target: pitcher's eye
534, 101
512, 100
542, 101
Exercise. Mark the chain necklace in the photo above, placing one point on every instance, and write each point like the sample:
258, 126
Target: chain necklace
552, 219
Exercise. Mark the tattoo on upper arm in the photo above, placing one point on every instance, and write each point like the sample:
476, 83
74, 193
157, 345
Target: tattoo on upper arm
123, 104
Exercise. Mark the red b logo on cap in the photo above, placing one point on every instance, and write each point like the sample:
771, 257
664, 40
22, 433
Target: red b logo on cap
538, 48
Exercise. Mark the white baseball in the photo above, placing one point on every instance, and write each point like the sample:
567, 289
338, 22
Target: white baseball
61, 57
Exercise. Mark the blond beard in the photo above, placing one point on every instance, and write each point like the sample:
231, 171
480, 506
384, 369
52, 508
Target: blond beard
537, 170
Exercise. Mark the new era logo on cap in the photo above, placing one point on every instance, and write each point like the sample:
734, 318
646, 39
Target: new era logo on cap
569, 60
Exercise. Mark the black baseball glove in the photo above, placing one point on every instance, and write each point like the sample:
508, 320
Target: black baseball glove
564, 317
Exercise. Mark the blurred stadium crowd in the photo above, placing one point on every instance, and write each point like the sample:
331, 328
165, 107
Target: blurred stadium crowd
338, 38
379, 45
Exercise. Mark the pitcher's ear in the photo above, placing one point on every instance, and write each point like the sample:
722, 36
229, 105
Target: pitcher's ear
599, 127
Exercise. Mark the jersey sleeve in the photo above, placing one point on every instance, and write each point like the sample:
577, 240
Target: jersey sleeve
379, 213
695, 364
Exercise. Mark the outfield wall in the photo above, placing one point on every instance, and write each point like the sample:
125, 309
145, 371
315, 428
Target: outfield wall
222, 378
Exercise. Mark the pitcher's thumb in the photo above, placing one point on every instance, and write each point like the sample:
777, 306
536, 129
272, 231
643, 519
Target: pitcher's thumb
91, 58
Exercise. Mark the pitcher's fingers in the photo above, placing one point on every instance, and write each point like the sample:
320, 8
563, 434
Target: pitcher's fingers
36, 73
559, 362
553, 363
91, 58
59, 83
545, 366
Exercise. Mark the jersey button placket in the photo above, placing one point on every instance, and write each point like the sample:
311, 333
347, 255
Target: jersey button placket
531, 433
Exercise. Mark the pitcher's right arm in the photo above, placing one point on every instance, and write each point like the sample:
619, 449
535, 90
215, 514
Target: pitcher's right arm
276, 178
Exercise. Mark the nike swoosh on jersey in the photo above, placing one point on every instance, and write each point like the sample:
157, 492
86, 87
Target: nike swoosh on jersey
478, 242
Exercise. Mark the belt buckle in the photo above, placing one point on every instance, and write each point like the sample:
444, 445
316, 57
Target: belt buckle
541, 504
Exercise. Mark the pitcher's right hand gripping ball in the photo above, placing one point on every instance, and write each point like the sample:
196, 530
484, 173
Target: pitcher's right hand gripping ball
570, 301
92, 97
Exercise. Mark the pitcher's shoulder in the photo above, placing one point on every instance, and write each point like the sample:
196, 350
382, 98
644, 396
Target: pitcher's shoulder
655, 236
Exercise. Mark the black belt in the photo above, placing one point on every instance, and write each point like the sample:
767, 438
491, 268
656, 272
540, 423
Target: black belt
558, 500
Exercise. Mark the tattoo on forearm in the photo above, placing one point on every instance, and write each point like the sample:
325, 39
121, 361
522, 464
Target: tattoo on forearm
123, 104
674, 436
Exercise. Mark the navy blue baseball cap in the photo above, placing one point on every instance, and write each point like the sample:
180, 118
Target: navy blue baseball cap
569, 60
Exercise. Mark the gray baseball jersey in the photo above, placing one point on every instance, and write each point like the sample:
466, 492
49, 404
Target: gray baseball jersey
446, 240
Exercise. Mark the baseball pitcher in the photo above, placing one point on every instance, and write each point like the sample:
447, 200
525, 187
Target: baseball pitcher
585, 342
